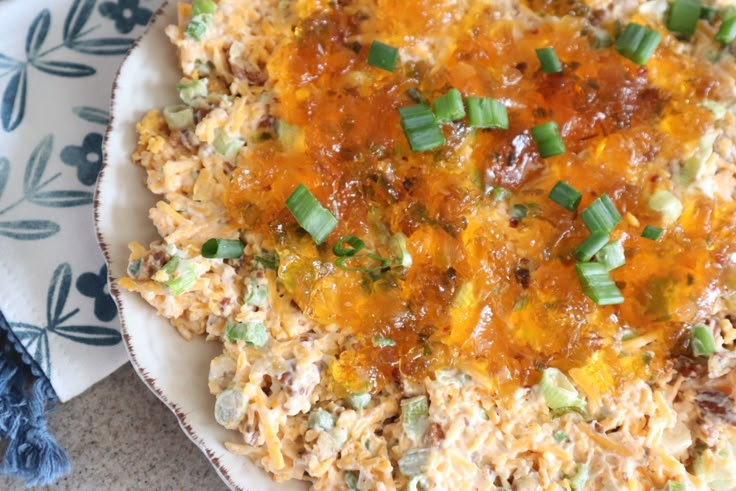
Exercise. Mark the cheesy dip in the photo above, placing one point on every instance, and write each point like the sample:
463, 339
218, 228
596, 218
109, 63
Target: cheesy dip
455, 244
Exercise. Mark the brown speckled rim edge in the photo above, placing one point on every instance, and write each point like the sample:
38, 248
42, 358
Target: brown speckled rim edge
141, 371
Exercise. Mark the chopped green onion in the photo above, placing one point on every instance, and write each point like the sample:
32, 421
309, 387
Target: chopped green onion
560, 436
203, 7
674, 486
702, 341
548, 59
601, 215
727, 32
351, 480
191, 91
578, 480
652, 233
420, 127
230, 408
267, 261
518, 211
383, 56
548, 139
179, 275
599, 38
715, 107
597, 284
484, 112
414, 416
359, 401
638, 43
414, 461
222, 248
667, 204
310, 214
683, 16
612, 255
256, 294
354, 242
709, 13
566, 196
558, 391
499, 194
319, 419
379, 262
521, 304
252, 333
449, 107
382, 342
591, 246
134, 267
226, 145
202, 16
397, 242
179, 117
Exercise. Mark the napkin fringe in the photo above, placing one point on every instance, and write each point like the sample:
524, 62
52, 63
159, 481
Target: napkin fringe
32, 452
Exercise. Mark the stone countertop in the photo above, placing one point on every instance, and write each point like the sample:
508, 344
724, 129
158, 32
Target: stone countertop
119, 436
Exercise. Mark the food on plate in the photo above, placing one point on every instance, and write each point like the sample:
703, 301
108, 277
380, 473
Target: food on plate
455, 244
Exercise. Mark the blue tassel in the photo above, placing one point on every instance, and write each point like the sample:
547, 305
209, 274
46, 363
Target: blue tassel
32, 452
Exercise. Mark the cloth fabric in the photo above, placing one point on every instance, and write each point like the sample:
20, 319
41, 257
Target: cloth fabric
59, 330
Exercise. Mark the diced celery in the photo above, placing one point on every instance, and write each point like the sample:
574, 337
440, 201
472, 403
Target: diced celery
252, 333
415, 417
414, 461
319, 419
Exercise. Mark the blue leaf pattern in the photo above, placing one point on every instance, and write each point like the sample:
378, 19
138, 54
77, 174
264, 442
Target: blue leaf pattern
14, 100
65, 68
59, 40
37, 33
77, 17
29, 229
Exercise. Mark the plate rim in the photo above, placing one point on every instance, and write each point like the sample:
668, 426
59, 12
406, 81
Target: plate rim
148, 381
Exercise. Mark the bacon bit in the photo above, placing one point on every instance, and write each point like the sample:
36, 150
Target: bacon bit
435, 434
716, 404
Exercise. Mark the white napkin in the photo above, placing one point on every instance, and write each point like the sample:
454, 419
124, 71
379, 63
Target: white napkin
57, 63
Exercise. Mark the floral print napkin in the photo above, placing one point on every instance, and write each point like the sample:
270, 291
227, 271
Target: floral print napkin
57, 64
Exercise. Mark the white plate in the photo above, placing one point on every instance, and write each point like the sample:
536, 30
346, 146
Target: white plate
174, 369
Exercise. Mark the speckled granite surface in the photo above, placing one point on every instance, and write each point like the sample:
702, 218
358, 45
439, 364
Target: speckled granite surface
119, 436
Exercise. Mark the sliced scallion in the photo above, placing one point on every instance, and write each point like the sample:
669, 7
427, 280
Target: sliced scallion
638, 43
560, 436
591, 246
683, 16
548, 139
256, 294
414, 461
226, 145
727, 32
601, 215
230, 408
578, 480
702, 341
402, 256
354, 244
449, 107
319, 419
202, 15
597, 284
558, 391
310, 214
421, 128
549, 61
612, 255
484, 112
566, 196
383, 56
351, 480
382, 342
359, 401
667, 204
414, 417
222, 249
251, 333
191, 91
652, 233
179, 117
